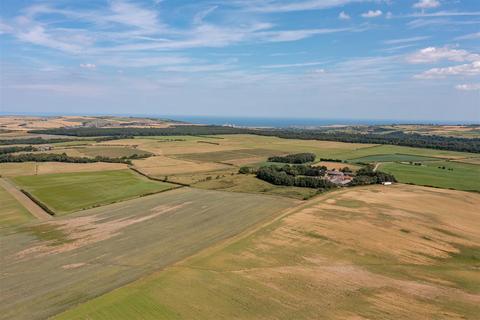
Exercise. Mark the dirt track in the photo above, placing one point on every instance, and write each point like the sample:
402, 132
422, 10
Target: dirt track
31, 206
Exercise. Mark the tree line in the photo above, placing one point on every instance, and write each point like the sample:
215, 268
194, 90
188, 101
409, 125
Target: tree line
16, 149
296, 158
394, 138
179, 130
40, 140
54, 157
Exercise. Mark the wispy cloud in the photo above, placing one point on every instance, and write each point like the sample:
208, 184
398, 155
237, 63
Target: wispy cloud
470, 36
289, 6
292, 65
406, 40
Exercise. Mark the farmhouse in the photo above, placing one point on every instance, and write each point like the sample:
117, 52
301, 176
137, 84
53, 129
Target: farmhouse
338, 177
45, 148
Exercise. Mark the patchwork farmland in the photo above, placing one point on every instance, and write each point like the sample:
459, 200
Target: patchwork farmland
181, 227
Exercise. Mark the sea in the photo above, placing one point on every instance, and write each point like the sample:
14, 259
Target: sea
263, 122
291, 122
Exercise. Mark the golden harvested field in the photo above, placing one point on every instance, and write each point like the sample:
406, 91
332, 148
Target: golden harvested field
161, 166
32, 168
51, 266
32, 123
399, 252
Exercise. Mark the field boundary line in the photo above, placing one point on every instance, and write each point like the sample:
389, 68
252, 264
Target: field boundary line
157, 179
25, 201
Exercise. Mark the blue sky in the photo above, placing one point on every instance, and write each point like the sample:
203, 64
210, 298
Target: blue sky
370, 59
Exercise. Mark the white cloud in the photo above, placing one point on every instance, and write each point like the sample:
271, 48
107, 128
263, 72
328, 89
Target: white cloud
343, 16
426, 4
470, 69
88, 66
468, 87
433, 54
372, 14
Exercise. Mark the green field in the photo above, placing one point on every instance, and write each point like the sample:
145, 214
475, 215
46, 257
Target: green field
463, 176
395, 157
12, 213
52, 266
68, 192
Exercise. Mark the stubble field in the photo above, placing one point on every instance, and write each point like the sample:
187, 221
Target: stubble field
365, 253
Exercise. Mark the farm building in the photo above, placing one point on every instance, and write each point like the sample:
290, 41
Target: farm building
338, 177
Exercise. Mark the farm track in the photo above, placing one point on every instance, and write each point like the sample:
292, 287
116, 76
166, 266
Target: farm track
31, 206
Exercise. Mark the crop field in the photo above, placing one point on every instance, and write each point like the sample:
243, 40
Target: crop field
226, 156
52, 266
461, 176
68, 192
308, 264
393, 158
160, 166
12, 213
111, 152
32, 168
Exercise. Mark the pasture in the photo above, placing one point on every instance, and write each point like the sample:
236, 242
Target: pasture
52, 266
395, 157
68, 192
308, 264
456, 175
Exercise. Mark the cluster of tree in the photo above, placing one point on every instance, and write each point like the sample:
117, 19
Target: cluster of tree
367, 175
16, 149
284, 176
294, 158
40, 140
53, 157
394, 138
180, 130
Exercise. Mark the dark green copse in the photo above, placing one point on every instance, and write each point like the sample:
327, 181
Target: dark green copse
297, 158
